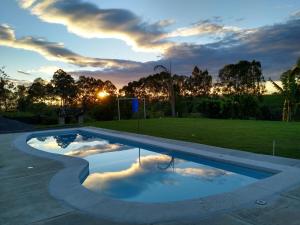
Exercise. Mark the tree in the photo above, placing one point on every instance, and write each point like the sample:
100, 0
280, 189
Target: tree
110, 88
37, 92
88, 88
290, 90
242, 78
21, 96
64, 86
6, 90
170, 84
199, 83
131, 89
152, 87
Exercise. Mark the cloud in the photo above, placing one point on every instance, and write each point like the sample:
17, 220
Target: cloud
144, 172
23, 72
119, 77
276, 47
88, 150
89, 21
6, 33
76, 145
202, 28
296, 14
49, 70
165, 23
57, 52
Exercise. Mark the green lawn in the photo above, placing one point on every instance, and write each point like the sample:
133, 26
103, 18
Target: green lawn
247, 135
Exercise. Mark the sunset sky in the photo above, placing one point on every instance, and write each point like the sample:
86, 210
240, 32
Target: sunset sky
122, 40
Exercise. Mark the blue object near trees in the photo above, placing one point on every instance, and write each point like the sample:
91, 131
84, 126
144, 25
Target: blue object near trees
135, 105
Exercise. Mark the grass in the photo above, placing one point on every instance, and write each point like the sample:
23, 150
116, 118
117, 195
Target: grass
16, 114
246, 135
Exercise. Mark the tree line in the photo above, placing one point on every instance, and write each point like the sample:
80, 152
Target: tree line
243, 78
236, 93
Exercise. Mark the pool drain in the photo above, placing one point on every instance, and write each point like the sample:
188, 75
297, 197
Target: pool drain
260, 202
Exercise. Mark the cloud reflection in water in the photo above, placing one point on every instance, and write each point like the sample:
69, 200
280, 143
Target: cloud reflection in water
75, 145
143, 173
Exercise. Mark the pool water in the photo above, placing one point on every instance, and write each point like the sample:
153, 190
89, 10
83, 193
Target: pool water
136, 172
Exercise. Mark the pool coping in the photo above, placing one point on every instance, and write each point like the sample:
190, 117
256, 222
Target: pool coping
65, 185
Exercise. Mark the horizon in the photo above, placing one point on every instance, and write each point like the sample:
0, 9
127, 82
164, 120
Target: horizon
85, 37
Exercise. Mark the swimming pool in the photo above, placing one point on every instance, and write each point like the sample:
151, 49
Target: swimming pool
137, 172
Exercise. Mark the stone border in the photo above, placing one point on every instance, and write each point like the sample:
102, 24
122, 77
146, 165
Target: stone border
66, 186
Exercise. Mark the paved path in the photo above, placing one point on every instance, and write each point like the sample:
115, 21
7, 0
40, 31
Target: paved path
24, 198
8, 125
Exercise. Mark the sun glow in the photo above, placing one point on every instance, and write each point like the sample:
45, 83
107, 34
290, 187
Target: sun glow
102, 94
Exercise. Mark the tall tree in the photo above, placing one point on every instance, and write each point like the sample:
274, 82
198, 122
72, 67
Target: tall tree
199, 83
64, 86
242, 78
88, 88
37, 91
21, 96
110, 88
290, 90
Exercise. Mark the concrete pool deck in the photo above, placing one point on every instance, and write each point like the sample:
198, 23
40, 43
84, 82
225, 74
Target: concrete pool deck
25, 198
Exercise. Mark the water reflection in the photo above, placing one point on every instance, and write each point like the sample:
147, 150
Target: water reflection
64, 141
87, 150
75, 145
200, 173
136, 174
162, 166
42, 139
146, 171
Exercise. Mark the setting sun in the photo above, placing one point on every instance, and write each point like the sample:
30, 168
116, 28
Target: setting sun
102, 94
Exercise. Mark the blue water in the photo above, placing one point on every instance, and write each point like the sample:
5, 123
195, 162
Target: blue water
142, 173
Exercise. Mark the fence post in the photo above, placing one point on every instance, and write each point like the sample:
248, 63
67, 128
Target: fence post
274, 143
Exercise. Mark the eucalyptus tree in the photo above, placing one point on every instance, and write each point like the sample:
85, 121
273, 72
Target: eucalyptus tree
242, 84
21, 97
64, 86
200, 83
37, 91
88, 88
109, 87
133, 89
242, 78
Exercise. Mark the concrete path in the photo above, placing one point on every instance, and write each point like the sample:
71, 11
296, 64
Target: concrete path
8, 125
24, 198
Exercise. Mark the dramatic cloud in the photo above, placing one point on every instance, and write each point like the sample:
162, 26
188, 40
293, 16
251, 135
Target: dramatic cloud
276, 47
88, 20
57, 51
